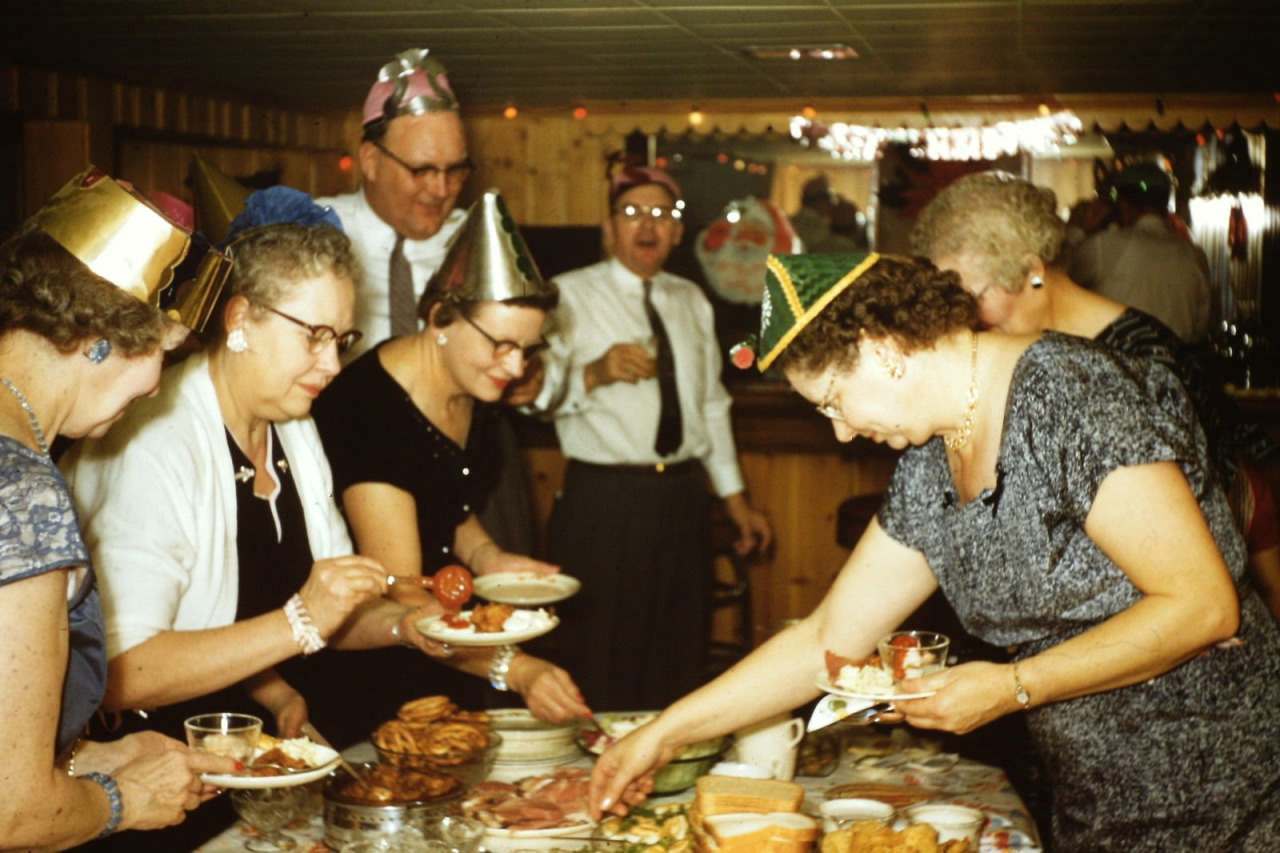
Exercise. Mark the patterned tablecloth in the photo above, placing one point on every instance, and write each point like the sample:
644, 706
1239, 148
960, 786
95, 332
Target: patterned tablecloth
904, 765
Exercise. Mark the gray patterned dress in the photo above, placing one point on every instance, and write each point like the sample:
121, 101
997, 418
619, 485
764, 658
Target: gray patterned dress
39, 533
1189, 760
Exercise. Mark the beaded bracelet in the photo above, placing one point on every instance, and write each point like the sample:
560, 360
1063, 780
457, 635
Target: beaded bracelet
304, 632
113, 800
500, 665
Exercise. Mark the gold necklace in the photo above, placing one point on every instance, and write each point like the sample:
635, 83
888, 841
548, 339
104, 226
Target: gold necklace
958, 439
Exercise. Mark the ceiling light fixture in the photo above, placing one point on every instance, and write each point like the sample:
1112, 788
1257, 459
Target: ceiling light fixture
1044, 135
579, 113
796, 52
695, 117
510, 112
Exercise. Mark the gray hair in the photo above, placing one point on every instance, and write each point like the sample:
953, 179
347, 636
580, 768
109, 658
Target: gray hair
271, 259
994, 218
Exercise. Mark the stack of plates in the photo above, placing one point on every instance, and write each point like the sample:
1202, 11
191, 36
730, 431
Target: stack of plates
529, 746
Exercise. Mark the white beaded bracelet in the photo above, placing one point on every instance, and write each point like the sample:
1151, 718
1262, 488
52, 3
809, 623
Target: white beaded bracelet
304, 632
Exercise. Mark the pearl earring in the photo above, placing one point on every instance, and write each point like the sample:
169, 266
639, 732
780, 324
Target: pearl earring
236, 341
442, 339
1037, 282
98, 351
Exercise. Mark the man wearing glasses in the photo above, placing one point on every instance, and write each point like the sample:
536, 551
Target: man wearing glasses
633, 381
413, 163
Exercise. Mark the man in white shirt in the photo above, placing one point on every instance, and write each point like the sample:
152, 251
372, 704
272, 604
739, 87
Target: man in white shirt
632, 522
1142, 262
413, 163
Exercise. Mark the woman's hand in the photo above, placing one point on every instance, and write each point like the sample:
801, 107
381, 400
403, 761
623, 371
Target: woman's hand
157, 790
109, 756
547, 689
290, 713
623, 776
968, 696
337, 586
409, 635
489, 559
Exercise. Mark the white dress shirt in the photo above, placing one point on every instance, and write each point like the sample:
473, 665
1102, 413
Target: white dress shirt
373, 241
1149, 267
602, 305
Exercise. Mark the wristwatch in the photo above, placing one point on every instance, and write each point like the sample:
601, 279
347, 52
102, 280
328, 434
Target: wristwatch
499, 666
1019, 692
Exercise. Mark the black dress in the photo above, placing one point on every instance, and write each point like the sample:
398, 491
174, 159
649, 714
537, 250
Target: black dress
1188, 760
374, 433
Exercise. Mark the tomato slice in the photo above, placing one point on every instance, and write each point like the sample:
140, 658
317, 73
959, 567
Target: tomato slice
452, 587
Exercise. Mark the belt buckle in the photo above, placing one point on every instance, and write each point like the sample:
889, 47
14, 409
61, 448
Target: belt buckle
660, 467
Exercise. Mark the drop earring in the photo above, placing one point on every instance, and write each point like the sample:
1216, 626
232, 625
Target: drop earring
1037, 282
98, 351
442, 339
236, 341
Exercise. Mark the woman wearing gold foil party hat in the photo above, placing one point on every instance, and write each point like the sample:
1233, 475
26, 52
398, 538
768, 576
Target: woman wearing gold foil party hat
1061, 497
81, 336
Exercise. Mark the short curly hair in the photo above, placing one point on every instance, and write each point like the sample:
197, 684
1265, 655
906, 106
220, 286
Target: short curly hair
996, 219
270, 259
906, 299
45, 290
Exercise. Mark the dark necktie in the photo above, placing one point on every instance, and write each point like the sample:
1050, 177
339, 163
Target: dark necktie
404, 311
670, 423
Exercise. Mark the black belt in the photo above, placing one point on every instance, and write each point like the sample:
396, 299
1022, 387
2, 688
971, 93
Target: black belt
656, 469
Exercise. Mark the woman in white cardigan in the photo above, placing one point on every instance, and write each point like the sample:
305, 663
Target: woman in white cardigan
209, 508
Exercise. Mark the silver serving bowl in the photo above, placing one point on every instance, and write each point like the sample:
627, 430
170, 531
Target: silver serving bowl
347, 821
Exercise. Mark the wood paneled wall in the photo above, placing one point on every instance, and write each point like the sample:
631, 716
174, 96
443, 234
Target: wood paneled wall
147, 134
800, 492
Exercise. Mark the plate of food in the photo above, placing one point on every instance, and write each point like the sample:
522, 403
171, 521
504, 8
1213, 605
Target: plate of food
488, 625
526, 589
866, 679
280, 763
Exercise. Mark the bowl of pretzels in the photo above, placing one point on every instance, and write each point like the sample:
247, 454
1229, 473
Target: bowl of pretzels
432, 734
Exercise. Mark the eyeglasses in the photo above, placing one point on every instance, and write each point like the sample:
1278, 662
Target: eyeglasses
639, 212
454, 176
319, 337
502, 349
828, 408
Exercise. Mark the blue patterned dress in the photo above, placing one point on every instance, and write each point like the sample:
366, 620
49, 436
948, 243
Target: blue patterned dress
1189, 760
39, 533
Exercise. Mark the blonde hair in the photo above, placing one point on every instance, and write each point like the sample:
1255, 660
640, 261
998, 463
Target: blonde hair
996, 220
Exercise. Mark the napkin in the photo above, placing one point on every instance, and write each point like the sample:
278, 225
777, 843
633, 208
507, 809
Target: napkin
833, 709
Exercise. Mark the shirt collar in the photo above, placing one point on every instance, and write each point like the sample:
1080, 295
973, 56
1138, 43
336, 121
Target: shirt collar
1151, 223
625, 277
372, 227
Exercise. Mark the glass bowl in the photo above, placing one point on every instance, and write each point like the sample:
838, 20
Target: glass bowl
912, 654
469, 771
682, 772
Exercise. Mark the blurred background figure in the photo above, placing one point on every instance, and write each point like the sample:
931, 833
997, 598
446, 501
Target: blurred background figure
1143, 262
812, 222
848, 232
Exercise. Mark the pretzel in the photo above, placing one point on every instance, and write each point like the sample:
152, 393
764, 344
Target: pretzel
423, 745
427, 709
479, 719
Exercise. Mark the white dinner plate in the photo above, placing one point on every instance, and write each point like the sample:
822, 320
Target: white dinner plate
302, 777
433, 628
526, 589
825, 685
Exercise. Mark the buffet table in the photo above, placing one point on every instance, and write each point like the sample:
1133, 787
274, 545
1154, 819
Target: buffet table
911, 765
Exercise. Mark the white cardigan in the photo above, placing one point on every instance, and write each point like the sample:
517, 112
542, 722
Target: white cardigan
157, 504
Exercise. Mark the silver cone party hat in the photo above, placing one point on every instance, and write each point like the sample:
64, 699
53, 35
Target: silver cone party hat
487, 259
